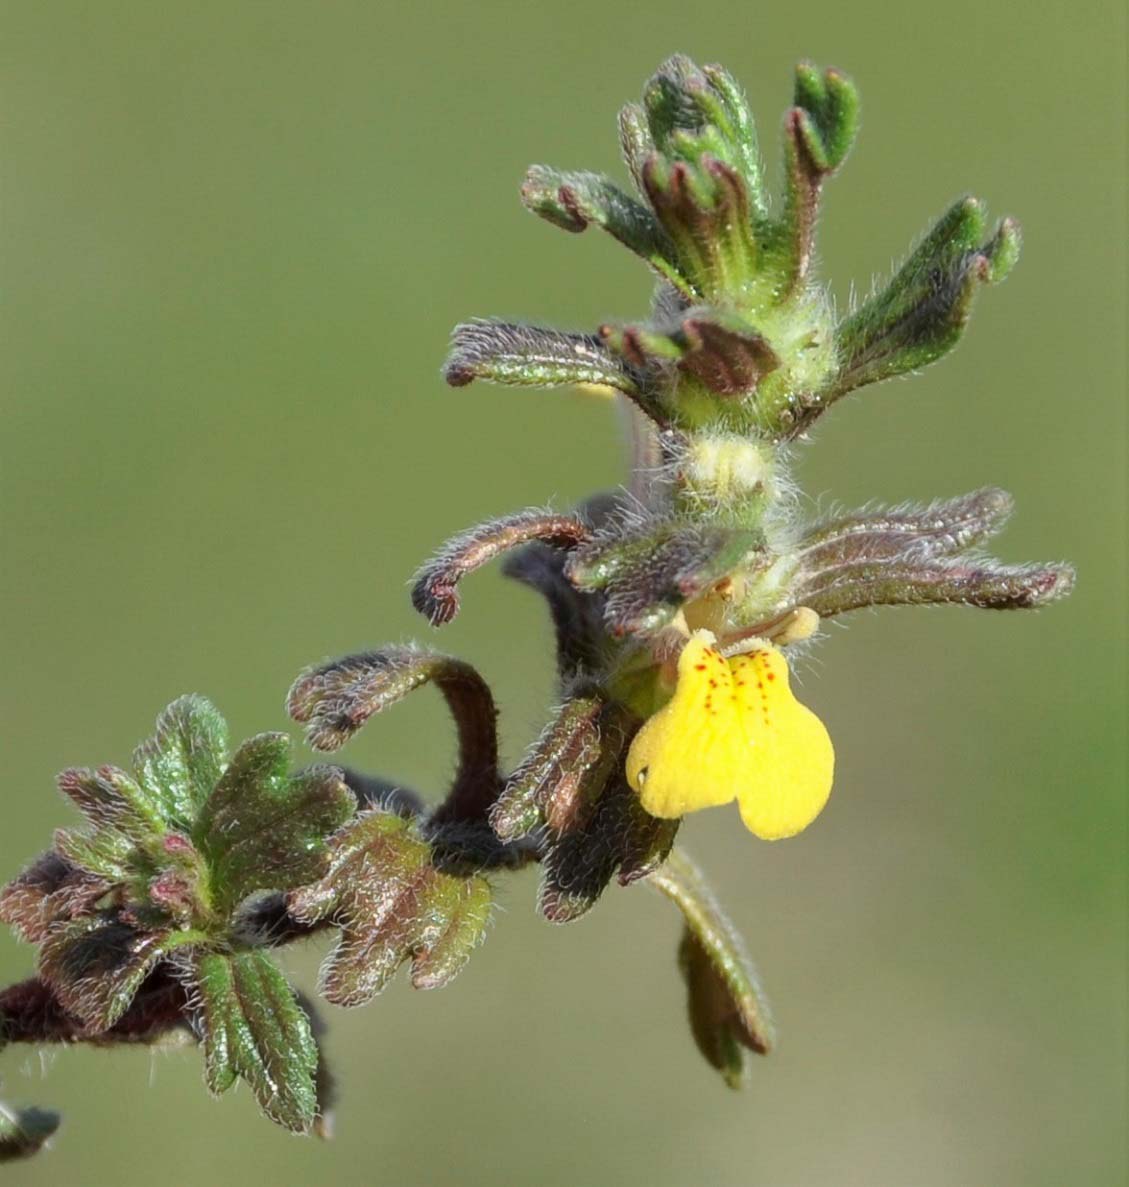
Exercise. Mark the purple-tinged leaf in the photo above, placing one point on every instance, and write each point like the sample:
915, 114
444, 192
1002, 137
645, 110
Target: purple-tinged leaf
51, 890
435, 589
393, 904
95, 966
912, 581
565, 771
577, 617
336, 699
650, 570
720, 349
619, 835
941, 528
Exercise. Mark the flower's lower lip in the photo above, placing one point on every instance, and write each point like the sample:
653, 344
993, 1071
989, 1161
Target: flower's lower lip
733, 730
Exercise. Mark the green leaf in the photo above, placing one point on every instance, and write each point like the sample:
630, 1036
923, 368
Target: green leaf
178, 767
695, 110
261, 828
703, 206
251, 1026
635, 141
669, 100
130, 823
818, 133
325, 1082
573, 201
729, 1014
393, 904
24, 1132
95, 966
122, 822
102, 852
734, 118
109, 798
920, 315
829, 107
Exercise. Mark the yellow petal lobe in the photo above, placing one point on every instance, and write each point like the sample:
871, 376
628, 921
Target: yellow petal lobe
787, 780
685, 755
733, 730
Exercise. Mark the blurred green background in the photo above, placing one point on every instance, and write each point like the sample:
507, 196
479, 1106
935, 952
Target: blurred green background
235, 236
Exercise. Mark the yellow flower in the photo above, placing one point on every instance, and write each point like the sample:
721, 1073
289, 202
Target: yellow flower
733, 730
